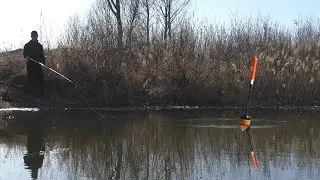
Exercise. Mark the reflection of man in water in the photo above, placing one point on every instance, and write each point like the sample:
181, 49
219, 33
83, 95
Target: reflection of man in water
34, 50
34, 158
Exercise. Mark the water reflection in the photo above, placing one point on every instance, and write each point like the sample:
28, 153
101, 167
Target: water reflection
169, 146
34, 157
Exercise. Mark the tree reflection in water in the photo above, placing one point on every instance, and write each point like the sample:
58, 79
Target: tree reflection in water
165, 146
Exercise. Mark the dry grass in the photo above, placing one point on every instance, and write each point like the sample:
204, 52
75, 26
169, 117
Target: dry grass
200, 64
205, 65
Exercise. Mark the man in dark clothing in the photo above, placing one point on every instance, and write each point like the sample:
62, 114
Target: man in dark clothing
34, 50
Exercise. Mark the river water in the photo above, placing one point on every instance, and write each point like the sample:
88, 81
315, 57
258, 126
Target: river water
158, 145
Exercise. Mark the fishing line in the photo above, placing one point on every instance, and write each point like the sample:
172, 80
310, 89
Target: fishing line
75, 85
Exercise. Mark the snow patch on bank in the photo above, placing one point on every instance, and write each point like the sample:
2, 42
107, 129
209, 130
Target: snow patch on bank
20, 109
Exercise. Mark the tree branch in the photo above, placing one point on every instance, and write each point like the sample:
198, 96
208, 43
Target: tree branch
110, 2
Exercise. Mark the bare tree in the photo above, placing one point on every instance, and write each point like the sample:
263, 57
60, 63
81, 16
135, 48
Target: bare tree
115, 7
147, 5
133, 15
170, 11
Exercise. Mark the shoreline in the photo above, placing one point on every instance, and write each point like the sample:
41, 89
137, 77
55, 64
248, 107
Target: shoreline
20, 107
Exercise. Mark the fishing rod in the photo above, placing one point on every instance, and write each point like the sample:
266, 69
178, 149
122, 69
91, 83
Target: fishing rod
68, 81
52, 70
245, 119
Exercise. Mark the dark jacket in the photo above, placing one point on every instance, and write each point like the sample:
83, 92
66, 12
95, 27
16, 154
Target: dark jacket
35, 77
34, 50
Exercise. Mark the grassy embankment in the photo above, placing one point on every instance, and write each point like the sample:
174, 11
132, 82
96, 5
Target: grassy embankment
199, 64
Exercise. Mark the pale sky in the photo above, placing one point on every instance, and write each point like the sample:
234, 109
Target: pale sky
282, 11
20, 17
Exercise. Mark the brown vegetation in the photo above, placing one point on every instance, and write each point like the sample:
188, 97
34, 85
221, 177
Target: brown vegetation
135, 52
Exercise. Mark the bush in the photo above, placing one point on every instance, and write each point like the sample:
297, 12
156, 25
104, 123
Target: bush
198, 65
